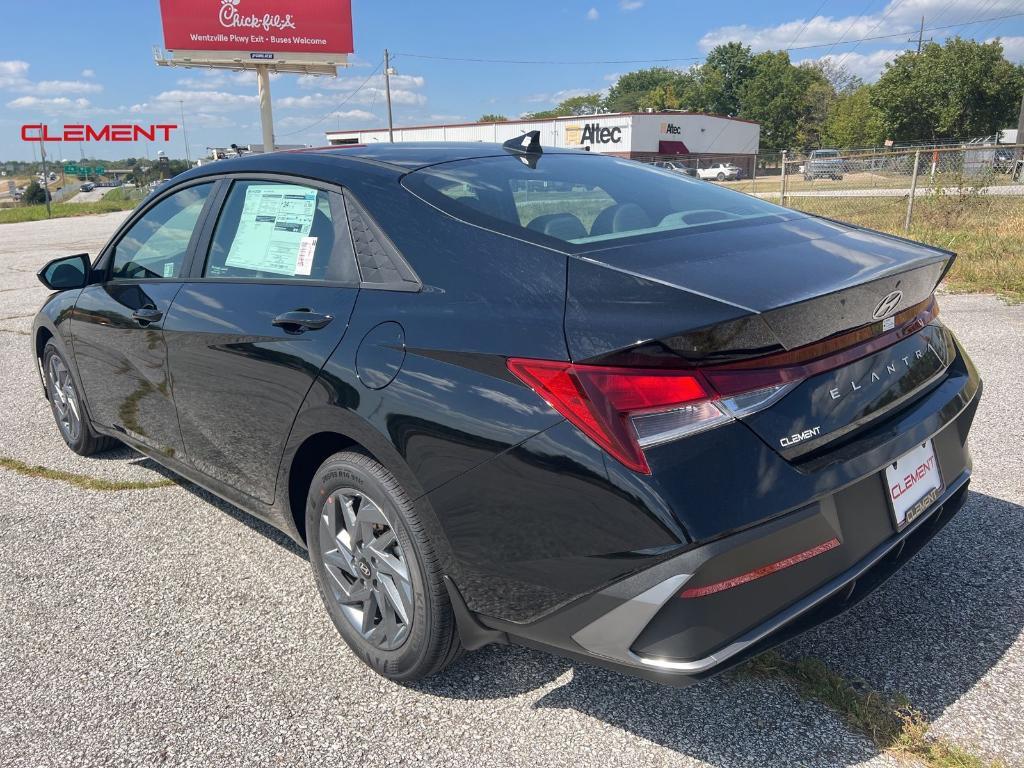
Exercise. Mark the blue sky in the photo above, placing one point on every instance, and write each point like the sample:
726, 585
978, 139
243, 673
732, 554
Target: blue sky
92, 62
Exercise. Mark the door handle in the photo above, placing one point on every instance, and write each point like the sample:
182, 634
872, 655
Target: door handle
299, 320
147, 315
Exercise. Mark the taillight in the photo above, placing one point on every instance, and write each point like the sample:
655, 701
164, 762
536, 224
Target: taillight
625, 410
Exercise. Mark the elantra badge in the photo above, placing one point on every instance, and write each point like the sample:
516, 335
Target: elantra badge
887, 305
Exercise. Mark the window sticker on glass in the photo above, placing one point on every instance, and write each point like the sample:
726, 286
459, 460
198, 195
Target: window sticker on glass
275, 220
304, 262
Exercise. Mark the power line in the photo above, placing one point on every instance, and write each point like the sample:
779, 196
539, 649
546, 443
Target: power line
337, 106
697, 58
852, 23
539, 61
811, 18
887, 13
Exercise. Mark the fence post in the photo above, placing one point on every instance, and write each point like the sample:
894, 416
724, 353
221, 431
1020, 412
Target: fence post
783, 189
913, 192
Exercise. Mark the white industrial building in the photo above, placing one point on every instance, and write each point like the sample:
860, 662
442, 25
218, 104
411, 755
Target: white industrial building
636, 135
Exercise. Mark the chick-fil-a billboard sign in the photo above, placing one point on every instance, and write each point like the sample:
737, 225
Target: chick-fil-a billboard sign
258, 26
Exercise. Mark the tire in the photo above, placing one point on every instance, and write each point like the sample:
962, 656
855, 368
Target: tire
363, 532
69, 412
721, 176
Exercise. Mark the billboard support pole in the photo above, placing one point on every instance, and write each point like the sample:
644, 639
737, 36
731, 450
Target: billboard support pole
266, 113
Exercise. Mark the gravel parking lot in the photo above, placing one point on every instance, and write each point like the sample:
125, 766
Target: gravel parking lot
163, 626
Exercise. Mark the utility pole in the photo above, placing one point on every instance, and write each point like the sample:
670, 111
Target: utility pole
46, 178
184, 132
920, 36
387, 88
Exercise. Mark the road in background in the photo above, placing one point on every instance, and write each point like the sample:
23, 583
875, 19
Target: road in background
164, 626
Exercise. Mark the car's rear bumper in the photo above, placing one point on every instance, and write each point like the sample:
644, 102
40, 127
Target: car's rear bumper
663, 623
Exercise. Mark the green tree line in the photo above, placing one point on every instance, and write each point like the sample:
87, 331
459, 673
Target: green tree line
958, 89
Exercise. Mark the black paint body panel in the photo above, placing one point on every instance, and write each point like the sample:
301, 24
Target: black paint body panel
532, 519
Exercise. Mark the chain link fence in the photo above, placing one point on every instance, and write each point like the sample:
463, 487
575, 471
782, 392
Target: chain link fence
887, 189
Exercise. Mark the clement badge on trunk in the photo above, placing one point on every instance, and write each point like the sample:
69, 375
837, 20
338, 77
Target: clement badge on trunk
886, 306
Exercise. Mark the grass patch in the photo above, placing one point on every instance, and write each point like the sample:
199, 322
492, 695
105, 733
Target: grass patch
986, 231
890, 722
79, 481
111, 203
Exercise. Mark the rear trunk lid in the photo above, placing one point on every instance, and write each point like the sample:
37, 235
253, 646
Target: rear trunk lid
843, 313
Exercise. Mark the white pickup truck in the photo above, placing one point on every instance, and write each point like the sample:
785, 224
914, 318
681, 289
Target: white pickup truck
720, 172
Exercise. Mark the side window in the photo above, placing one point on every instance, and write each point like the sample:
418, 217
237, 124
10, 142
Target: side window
156, 245
274, 231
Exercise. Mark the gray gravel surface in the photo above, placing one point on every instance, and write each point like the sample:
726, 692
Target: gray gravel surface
167, 627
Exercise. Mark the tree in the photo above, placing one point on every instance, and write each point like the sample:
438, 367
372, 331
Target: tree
775, 96
587, 104
35, 194
854, 121
489, 118
630, 89
721, 79
961, 89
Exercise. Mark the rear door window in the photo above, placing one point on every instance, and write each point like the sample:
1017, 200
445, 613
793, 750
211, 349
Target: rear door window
270, 230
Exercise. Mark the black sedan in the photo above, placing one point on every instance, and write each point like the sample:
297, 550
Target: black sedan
508, 394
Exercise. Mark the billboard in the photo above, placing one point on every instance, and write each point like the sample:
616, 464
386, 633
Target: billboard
260, 28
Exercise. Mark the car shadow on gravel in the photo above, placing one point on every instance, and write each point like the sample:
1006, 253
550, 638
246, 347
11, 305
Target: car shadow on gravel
250, 521
932, 632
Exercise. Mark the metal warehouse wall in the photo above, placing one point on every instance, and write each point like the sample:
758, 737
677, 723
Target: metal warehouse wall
626, 135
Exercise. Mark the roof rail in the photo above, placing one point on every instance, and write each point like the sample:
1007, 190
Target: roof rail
518, 144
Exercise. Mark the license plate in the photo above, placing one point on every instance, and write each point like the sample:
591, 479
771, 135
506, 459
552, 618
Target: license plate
914, 483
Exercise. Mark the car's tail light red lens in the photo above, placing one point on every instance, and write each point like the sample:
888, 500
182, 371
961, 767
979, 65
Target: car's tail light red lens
602, 401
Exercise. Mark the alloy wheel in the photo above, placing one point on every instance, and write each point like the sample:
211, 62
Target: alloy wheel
64, 399
367, 568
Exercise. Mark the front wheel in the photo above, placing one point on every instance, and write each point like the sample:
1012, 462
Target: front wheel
66, 404
721, 176
377, 571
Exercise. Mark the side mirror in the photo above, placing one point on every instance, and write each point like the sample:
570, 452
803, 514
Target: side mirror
66, 273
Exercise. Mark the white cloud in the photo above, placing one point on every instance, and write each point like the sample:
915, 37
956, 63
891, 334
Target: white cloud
631, 5
14, 76
88, 73
593, 15
211, 101
49, 106
898, 17
447, 118
867, 66
404, 88
62, 86
1013, 48
13, 73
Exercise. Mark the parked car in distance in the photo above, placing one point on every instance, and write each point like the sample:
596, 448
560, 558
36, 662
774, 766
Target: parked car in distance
677, 166
87, 187
629, 417
824, 164
721, 172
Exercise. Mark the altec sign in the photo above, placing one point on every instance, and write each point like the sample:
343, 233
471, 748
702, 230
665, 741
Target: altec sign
85, 132
267, 26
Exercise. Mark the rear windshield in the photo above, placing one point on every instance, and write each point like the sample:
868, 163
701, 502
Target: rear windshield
579, 200
825, 153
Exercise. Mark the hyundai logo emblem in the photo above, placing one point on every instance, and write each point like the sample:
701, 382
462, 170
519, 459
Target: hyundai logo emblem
886, 306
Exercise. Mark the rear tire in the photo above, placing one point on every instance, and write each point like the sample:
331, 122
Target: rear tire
377, 571
721, 177
69, 412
